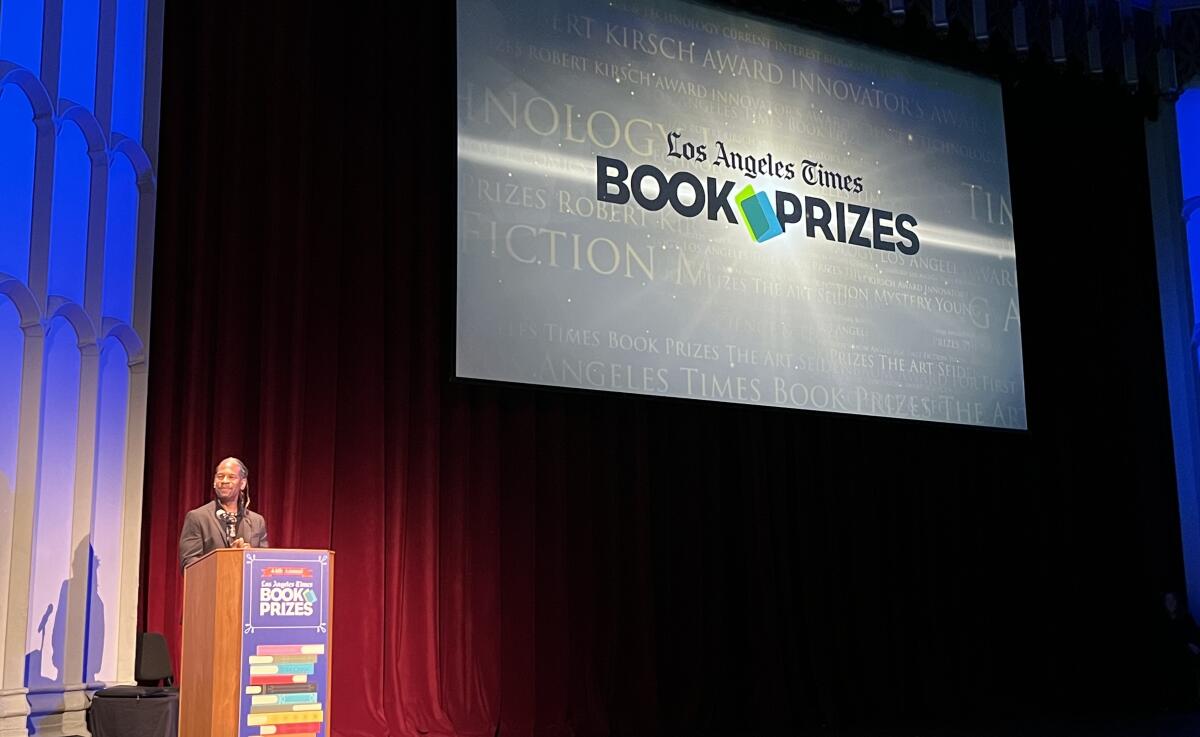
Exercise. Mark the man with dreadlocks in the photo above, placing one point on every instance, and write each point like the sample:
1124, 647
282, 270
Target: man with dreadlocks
226, 522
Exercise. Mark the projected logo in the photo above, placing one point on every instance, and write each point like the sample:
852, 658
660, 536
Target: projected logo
835, 221
758, 215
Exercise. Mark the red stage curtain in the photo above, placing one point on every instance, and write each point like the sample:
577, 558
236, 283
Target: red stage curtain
299, 325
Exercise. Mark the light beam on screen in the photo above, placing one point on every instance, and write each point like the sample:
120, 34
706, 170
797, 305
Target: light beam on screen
526, 159
961, 239
21, 33
80, 34
18, 139
55, 494
69, 216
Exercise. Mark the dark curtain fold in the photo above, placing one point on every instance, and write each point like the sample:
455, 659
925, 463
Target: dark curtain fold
544, 563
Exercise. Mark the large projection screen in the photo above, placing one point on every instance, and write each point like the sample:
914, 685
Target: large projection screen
669, 199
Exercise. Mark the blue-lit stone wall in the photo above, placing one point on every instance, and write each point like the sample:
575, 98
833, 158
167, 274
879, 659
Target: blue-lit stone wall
78, 137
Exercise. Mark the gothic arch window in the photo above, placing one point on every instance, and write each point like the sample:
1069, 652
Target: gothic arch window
1187, 113
69, 213
18, 148
120, 239
12, 353
21, 33
143, 231
108, 507
80, 36
55, 495
129, 69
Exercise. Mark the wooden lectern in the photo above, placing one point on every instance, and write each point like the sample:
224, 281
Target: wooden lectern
256, 643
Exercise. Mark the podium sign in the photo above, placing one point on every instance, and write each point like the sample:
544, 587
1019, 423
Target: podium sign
285, 643
256, 644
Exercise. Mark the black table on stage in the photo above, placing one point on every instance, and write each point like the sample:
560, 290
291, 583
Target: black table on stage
148, 716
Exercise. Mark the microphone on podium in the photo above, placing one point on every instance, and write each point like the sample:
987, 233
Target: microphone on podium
230, 521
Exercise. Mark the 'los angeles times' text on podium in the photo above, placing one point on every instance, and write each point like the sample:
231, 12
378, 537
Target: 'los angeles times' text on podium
256, 644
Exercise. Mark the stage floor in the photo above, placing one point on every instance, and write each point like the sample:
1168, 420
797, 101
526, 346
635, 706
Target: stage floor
1147, 725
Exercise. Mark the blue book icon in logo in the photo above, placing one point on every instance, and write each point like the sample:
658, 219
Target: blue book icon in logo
758, 215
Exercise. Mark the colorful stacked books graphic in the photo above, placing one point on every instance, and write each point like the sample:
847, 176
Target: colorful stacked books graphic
283, 699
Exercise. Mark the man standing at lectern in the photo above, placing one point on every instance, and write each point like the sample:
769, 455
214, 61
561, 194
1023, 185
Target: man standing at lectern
226, 522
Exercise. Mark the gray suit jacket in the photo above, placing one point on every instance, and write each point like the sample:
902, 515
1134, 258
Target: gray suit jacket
203, 533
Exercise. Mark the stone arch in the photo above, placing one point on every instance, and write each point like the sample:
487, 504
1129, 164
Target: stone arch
25, 302
135, 348
73, 313
31, 86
